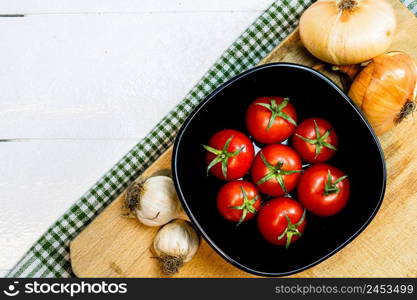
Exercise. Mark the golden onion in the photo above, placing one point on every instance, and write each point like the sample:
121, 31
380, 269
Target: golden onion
343, 32
385, 90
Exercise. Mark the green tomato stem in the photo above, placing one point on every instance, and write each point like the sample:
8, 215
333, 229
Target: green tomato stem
319, 141
247, 205
276, 111
330, 187
222, 156
275, 172
292, 229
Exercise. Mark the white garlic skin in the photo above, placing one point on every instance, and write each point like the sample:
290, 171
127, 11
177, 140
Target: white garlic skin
158, 202
178, 239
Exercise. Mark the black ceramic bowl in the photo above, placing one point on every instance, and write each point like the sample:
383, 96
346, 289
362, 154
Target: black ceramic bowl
313, 95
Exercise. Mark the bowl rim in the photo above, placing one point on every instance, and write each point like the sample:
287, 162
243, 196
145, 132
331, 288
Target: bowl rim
212, 95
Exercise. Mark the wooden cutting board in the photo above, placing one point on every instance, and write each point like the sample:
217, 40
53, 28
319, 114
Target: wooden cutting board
116, 246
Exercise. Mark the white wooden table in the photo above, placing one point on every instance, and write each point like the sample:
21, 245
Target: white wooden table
81, 82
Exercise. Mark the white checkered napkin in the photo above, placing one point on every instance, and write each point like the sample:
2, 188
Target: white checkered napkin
49, 256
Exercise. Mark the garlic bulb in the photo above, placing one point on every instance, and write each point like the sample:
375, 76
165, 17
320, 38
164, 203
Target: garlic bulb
343, 32
175, 244
154, 202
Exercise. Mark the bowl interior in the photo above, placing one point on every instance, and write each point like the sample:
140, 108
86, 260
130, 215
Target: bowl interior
313, 95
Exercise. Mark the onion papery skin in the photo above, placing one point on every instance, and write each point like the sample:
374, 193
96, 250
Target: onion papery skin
347, 36
383, 87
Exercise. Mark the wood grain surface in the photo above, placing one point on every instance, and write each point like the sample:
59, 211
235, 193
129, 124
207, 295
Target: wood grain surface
115, 246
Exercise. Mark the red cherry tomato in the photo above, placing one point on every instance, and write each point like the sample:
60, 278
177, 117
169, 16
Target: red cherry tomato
323, 190
281, 221
276, 170
238, 201
229, 154
315, 140
271, 119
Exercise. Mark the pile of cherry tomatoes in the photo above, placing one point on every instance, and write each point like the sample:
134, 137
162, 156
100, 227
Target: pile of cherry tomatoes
277, 170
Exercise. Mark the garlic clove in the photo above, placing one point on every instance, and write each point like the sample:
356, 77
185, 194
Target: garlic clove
154, 201
175, 244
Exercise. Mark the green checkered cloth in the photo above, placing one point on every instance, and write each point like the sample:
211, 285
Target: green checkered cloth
49, 256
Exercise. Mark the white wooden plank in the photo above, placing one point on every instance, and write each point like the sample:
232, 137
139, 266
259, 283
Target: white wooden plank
94, 70
39, 180
104, 76
127, 6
